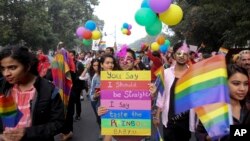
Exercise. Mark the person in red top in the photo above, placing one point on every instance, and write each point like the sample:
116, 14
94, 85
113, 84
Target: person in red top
155, 62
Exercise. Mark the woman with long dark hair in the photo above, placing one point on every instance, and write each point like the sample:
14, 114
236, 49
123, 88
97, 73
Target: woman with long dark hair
37, 103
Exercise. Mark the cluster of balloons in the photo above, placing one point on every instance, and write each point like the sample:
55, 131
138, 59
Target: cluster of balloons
153, 12
160, 44
126, 28
88, 33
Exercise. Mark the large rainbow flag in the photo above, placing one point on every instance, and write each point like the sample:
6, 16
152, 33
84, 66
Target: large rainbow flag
9, 112
61, 67
159, 82
205, 83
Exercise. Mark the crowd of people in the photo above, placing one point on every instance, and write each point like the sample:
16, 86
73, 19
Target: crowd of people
31, 81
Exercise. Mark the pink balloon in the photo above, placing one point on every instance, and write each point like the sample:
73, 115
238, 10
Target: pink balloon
159, 6
79, 31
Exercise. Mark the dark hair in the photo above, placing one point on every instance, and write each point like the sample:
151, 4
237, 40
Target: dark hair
132, 52
111, 50
156, 54
233, 68
73, 52
91, 69
103, 58
177, 46
22, 55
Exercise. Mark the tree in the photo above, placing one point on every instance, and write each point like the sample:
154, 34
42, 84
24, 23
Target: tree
215, 22
43, 23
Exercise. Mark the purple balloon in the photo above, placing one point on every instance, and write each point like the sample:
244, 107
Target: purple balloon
79, 31
129, 26
159, 6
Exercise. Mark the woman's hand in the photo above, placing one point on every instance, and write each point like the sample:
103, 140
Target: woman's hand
13, 135
96, 94
101, 111
152, 89
156, 121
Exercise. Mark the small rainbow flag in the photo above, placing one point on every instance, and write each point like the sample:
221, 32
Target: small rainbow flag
9, 112
159, 82
204, 83
61, 67
223, 51
216, 119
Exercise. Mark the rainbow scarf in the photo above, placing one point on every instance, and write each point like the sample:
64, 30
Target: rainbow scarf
61, 67
9, 112
205, 83
159, 82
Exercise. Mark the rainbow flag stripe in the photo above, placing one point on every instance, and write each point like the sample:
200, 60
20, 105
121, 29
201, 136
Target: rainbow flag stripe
9, 111
204, 83
159, 82
7, 106
215, 118
61, 76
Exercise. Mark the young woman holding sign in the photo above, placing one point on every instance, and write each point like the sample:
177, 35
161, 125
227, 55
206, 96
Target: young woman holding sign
126, 62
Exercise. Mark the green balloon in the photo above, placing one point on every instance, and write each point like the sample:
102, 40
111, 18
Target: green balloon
167, 43
145, 17
155, 28
86, 42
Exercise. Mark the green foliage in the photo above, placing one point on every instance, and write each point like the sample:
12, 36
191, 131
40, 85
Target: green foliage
215, 22
43, 23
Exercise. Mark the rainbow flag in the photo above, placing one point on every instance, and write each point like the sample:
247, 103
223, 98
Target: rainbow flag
223, 51
61, 67
216, 119
159, 82
9, 111
204, 83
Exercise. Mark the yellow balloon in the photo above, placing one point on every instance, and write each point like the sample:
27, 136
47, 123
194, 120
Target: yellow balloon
172, 16
96, 35
155, 46
124, 31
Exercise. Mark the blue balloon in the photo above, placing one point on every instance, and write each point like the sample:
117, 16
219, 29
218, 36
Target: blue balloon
90, 25
125, 25
163, 48
145, 4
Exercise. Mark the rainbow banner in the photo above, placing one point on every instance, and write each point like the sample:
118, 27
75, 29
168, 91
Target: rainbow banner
61, 67
9, 112
215, 118
204, 83
159, 82
128, 101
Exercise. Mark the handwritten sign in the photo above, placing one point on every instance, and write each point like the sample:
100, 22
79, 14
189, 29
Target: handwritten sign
126, 95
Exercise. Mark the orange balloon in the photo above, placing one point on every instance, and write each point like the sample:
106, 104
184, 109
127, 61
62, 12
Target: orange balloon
160, 40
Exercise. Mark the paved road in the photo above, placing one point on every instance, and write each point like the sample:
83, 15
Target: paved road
87, 128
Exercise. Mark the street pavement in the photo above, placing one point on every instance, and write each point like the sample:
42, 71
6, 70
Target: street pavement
87, 129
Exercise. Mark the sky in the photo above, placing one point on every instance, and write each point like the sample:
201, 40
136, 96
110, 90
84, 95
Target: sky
115, 13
